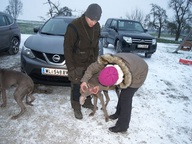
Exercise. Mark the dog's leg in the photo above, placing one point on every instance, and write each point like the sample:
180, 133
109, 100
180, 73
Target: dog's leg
4, 98
95, 105
100, 96
107, 97
20, 103
117, 90
32, 98
19, 94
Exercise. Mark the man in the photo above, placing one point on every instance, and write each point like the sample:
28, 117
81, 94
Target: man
126, 70
81, 49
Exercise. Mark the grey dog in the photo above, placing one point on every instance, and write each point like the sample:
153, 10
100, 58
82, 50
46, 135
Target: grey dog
24, 88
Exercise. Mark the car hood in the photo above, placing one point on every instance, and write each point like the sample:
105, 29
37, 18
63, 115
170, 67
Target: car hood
135, 34
45, 43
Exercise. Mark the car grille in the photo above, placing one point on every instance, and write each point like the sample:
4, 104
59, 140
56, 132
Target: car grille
143, 41
49, 58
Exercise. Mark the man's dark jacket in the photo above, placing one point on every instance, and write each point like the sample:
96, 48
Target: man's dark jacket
85, 44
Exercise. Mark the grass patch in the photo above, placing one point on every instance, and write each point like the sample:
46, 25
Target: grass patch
165, 38
26, 27
161, 40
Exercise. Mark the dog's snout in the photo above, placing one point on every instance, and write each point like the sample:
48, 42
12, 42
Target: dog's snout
82, 100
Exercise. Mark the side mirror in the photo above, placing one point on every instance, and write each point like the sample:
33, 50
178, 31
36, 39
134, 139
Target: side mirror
145, 30
36, 29
114, 28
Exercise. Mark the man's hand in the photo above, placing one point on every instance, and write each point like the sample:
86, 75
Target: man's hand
84, 87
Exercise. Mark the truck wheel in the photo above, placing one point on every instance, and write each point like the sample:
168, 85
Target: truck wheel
105, 43
118, 47
14, 47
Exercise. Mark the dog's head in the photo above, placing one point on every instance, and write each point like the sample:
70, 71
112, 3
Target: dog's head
87, 92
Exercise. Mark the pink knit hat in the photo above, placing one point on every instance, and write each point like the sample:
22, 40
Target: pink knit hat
110, 75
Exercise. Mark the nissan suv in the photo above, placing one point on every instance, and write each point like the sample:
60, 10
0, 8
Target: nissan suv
128, 36
42, 55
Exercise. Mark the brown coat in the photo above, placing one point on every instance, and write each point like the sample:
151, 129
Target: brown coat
135, 69
86, 48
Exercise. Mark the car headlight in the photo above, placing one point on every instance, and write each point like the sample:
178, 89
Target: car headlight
27, 52
154, 41
127, 39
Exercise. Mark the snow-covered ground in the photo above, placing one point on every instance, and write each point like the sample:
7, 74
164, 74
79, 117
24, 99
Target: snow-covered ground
162, 109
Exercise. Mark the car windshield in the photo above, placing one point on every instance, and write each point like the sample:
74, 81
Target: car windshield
56, 26
130, 26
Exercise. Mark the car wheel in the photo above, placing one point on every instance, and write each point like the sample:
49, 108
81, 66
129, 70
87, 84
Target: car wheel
148, 55
118, 47
21, 69
105, 43
14, 47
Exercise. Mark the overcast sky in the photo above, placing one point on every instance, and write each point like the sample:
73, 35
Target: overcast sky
33, 9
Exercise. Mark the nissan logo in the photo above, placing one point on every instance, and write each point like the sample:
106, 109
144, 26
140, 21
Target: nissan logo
56, 58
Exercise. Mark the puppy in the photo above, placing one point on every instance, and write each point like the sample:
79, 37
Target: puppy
24, 87
95, 89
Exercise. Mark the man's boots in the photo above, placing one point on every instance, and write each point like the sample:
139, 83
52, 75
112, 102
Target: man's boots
88, 104
77, 109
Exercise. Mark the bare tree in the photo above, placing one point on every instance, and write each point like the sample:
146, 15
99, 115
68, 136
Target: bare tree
14, 8
136, 15
56, 10
183, 14
65, 11
171, 27
157, 18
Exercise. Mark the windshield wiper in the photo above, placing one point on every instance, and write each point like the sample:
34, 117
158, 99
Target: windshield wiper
46, 33
51, 34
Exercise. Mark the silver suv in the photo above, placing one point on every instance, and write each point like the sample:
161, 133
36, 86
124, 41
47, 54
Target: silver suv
10, 35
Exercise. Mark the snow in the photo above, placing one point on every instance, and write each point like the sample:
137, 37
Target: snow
161, 114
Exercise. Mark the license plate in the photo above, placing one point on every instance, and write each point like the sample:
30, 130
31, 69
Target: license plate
54, 72
142, 46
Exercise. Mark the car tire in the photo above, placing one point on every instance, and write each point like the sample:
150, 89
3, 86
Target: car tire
148, 55
118, 47
14, 47
105, 43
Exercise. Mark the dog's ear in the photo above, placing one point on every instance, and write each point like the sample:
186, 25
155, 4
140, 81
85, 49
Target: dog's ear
85, 91
85, 88
94, 90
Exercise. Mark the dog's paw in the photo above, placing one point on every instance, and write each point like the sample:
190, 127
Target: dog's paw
14, 117
29, 103
3, 105
91, 114
106, 119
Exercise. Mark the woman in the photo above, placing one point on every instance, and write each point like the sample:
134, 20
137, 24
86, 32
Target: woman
126, 70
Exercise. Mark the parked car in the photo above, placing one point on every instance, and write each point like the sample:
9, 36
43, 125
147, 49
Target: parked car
42, 55
128, 36
10, 35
